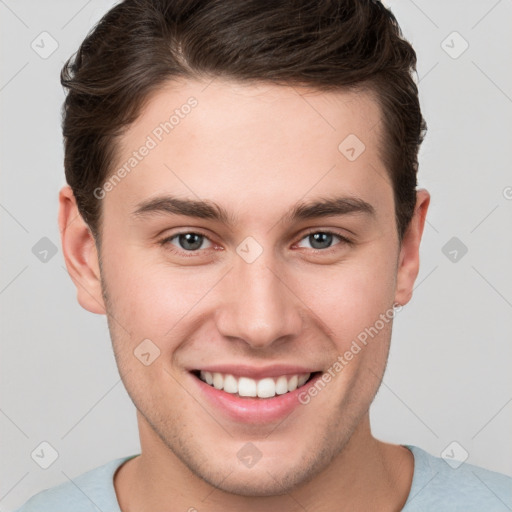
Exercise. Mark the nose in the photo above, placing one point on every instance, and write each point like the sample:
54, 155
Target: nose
258, 304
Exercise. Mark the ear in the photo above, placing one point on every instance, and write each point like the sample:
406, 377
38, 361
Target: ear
80, 254
409, 257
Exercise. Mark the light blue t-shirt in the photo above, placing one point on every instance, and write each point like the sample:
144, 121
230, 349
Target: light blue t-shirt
436, 487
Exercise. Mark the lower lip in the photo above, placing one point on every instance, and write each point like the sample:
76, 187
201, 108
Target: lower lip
254, 410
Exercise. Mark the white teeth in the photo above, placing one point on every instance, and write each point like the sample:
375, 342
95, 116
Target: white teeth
302, 380
246, 386
218, 381
281, 385
292, 383
267, 387
230, 384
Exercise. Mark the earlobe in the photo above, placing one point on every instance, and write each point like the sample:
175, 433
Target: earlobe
80, 254
409, 258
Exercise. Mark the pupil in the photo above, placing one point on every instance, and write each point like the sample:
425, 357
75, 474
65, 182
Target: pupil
187, 241
320, 238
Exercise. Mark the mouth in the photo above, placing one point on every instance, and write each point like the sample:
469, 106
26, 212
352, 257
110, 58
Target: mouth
241, 386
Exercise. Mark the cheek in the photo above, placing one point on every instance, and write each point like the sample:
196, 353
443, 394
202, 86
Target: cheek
350, 297
151, 299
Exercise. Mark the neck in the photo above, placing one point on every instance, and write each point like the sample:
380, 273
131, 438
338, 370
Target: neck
366, 475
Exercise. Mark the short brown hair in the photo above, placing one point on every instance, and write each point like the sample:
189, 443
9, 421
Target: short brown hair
325, 44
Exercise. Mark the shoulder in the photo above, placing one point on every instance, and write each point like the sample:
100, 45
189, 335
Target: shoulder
88, 492
439, 486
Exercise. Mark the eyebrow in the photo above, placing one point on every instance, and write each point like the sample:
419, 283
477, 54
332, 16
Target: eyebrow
322, 207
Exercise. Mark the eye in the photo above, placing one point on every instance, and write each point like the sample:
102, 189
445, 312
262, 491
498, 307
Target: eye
192, 242
321, 240
186, 241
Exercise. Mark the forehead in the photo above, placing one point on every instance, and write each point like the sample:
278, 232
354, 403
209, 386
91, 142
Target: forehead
252, 144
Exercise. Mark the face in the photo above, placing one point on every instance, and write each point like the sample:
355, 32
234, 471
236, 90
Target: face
275, 290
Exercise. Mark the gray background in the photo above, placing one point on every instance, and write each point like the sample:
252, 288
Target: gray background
449, 375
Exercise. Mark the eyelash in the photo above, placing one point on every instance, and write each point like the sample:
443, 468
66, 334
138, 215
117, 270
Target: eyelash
188, 254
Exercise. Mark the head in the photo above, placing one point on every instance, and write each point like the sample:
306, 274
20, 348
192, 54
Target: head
242, 191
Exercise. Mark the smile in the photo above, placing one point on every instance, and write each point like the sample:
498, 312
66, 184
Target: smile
268, 387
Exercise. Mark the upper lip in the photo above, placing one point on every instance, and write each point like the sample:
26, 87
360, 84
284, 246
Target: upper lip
241, 370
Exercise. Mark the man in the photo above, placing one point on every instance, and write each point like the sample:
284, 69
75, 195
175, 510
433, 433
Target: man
242, 206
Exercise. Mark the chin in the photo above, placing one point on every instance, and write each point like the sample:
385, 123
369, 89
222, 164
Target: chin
269, 478
262, 482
